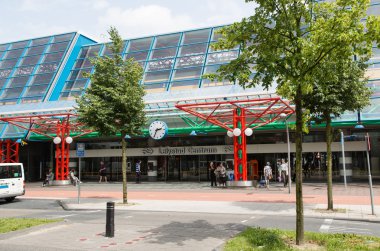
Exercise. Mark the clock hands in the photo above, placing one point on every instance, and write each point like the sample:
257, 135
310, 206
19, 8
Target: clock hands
157, 129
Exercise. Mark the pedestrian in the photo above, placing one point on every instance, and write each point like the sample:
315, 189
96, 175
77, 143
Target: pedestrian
49, 178
279, 170
74, 179
284, 172
138, 171
267, 174
102, 172
212, 173
221, 174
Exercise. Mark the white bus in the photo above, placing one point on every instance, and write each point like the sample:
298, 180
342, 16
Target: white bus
12, 181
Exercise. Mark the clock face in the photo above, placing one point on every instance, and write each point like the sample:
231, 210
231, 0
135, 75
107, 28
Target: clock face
158, 129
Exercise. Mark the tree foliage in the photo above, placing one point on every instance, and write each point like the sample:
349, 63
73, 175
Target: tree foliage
287, 42
339, 85
113, 104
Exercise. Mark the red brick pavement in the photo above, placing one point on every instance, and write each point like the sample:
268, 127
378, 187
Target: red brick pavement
353, 195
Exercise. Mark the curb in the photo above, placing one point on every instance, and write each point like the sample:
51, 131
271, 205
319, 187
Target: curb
69, 207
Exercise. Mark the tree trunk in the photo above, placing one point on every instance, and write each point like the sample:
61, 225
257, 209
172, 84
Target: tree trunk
299, 201
329, 162
124, 167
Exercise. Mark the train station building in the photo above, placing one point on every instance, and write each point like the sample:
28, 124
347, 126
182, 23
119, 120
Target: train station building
40, 79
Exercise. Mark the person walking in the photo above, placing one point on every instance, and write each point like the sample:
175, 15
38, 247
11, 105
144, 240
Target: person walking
267, 174
74, 179
221, 174
102, 172
138, 171
212, 173
284, 172
49, 178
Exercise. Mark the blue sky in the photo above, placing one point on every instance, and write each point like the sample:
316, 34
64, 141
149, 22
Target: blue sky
23, 19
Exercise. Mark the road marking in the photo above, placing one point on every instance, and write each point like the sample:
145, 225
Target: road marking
61, 216
93, 211
252, 217
325, 226
244, 221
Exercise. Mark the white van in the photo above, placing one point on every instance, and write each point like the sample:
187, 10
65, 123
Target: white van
12, 181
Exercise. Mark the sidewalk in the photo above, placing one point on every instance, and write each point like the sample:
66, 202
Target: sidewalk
351, 203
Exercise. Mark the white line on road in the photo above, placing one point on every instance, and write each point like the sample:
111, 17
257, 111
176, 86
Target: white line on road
325, 226
93, 211
128, 216
244, 221
252, 217
61, 216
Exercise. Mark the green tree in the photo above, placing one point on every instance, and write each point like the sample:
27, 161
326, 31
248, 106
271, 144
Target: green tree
339, 86
285, 42
113, 104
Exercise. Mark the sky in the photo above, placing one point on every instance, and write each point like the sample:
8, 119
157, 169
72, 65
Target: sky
24, 19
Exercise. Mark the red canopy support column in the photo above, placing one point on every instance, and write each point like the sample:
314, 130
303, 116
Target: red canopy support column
9, 151
240, 145
2, 151
62, 154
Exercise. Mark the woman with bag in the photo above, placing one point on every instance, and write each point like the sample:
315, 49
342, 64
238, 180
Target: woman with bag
267, 174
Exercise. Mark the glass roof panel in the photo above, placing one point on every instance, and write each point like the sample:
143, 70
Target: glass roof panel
138, 56
193, 49
14, 54
64, 37
11, 93
167, 40
3, 47
18, 45
42, 78
40, 41
191, 37
59, 46
10, 63
17, 82
5, 73
140, 44
35, 50
32, 60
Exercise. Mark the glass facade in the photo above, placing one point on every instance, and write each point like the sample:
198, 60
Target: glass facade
27, 68
171, 62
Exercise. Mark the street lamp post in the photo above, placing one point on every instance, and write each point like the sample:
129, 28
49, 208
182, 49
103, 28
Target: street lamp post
283, 115
368, 143
289, 168
343, 159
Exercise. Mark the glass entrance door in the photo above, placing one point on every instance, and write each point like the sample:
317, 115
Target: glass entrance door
174, 163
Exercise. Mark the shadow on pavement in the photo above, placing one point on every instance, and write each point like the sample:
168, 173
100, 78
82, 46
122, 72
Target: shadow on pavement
180, 233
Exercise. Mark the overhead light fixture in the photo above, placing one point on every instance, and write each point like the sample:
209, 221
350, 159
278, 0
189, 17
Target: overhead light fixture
193, 133
359, 126
237, 132
230, 134
248, 132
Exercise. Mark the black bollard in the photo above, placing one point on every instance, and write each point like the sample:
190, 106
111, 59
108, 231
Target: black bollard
110, 219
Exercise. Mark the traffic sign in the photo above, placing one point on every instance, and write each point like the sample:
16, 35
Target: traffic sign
80, 149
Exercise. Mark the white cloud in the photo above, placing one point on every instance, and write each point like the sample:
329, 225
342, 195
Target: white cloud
226, 11
144, 20
100, 4
40, 5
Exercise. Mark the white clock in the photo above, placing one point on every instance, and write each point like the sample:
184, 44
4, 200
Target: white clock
158, 129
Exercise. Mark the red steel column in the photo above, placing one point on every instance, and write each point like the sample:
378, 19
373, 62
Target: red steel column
9, 151
240, 146
62, 152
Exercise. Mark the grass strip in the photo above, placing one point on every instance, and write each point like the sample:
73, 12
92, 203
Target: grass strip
14, 224
274, 239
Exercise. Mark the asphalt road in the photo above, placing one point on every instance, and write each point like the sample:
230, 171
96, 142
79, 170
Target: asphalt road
177, 221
